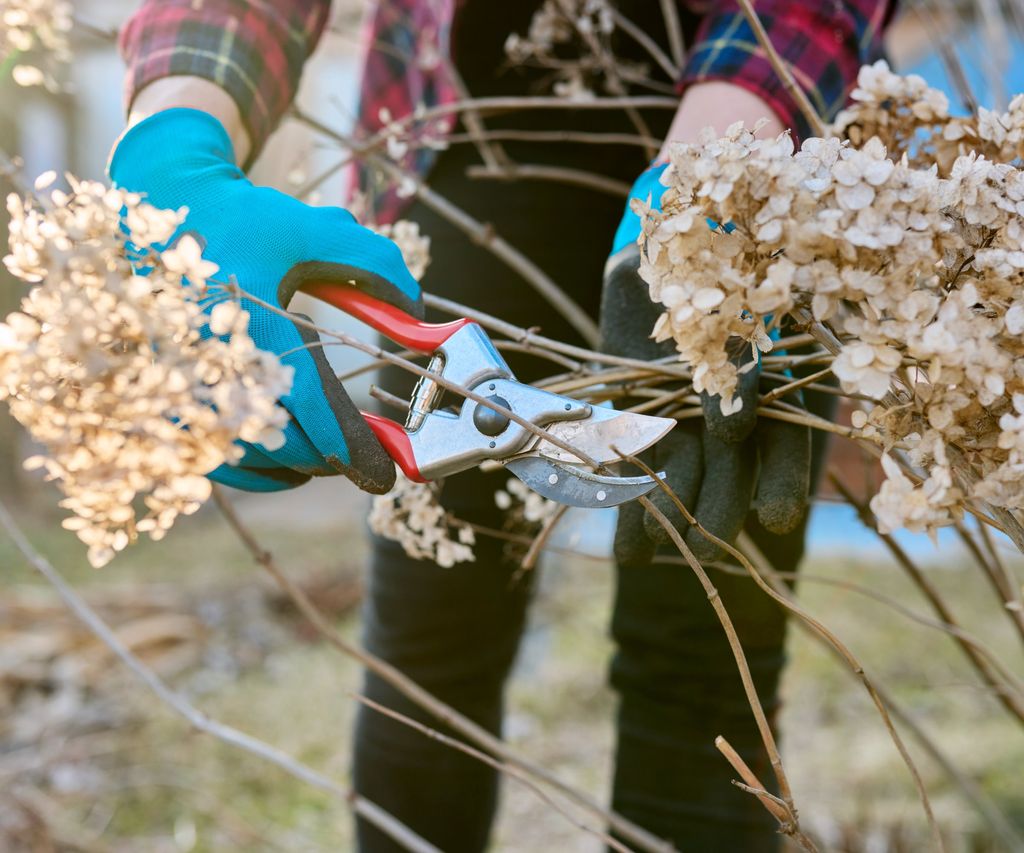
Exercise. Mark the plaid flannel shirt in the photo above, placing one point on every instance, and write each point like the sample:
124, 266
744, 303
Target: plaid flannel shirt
255, 50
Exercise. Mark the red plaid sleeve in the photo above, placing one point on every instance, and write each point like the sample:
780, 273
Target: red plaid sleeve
825, 43
253, 49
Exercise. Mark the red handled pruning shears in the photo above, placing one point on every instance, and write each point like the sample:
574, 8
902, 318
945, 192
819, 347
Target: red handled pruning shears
435, 443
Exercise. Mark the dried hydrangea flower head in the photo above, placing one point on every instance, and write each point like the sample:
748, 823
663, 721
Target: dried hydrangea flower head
121, 377
411, 515
524, 503
907, 244
38, 31
911, 118
572, 39
414, 246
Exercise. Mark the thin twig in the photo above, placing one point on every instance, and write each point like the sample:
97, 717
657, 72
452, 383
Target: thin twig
540, 541
968, 787
466, 727
783, 71
556, 174
790, 605
507, 104
734, 643
196, 718
493, 155
1002, 584
954, 67
675, 31
389, 399
750, 555
783, 390
575, 136
484, 758
778, 809
646, 42
613, 81
981, 665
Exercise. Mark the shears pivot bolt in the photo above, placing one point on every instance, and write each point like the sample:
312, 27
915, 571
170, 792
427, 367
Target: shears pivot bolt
487, 420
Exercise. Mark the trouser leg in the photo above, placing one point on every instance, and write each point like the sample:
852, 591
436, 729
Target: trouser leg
454, 632
680, 688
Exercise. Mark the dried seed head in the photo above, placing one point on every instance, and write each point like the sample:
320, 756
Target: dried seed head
913, 255
117, 375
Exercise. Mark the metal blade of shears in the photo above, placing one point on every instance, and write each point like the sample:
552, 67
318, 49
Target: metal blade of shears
573, 486
605, 435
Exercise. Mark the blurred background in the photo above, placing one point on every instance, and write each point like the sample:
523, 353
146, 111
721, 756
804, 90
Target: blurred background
88, 761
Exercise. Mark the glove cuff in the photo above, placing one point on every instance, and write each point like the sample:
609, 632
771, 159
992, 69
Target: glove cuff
647, 188
176, 138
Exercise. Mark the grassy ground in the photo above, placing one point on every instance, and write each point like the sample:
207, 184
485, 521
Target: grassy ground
118, 772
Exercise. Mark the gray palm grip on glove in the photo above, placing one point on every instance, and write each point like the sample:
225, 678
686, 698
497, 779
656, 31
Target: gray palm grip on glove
719, 466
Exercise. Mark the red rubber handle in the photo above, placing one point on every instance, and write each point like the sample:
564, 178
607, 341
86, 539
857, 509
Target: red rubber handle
390, 321
396, 442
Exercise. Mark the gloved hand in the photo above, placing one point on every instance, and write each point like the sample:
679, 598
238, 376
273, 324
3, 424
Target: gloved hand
718, 465
272, 243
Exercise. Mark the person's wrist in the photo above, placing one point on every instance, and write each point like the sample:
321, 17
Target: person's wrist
194, 93
718, 104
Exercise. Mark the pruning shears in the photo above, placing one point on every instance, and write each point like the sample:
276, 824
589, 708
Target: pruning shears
435, 442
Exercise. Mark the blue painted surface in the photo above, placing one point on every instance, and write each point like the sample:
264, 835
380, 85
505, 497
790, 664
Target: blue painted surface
972, 51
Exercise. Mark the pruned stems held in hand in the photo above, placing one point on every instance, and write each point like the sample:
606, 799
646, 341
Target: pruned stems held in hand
366, 809
529, 337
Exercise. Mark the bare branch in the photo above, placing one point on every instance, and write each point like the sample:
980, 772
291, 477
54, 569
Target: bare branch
536, 172
470, 730
483, 757
785, 74
670, 13
1003, 692
196, 718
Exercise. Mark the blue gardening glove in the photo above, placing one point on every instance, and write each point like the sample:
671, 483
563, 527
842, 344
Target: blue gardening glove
720, 466
272, 243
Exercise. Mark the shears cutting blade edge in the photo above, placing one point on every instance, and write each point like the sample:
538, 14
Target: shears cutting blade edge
436, 442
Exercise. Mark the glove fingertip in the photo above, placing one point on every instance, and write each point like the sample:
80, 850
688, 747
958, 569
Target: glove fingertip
656, 532
781, 513
785, 479
633, 548
370, 468
703, 548
735, 427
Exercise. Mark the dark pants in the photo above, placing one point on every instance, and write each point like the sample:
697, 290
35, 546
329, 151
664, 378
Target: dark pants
456, 631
